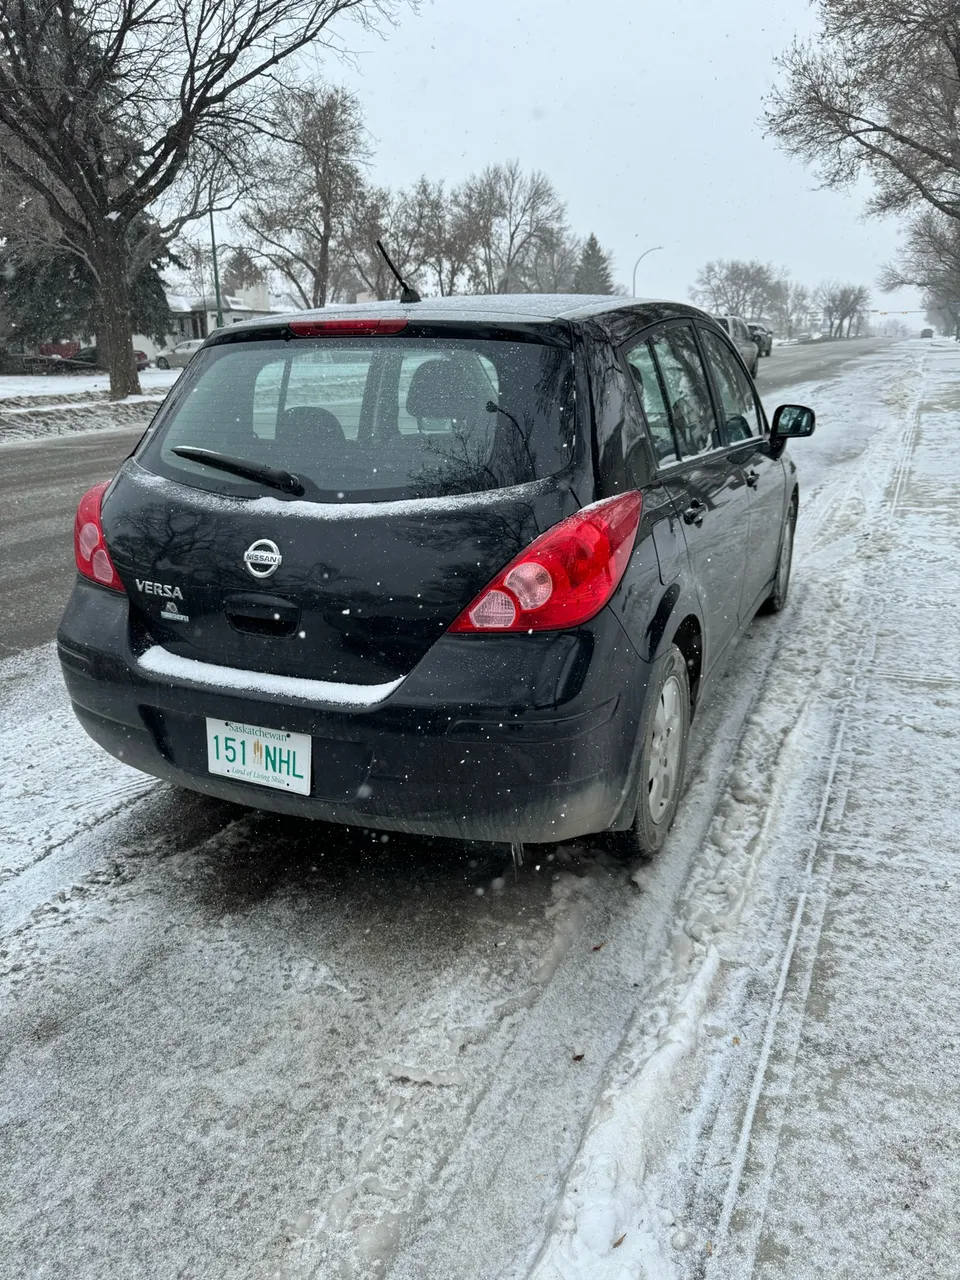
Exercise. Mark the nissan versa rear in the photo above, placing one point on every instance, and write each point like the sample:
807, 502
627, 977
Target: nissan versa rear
458, 568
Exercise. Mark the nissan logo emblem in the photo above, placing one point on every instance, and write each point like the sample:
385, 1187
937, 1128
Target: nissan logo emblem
262, 558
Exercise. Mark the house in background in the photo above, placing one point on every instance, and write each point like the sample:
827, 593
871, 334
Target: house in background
190, 318
197, 317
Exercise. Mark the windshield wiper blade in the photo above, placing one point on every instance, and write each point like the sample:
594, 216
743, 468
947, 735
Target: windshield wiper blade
276, 477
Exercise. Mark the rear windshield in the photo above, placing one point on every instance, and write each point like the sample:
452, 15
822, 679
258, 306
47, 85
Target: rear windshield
368, 420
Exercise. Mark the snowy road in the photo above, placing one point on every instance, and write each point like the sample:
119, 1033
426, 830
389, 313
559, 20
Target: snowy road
233, 1045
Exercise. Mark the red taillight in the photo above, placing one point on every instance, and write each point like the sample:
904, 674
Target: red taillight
345, 328
563, 578
89, 547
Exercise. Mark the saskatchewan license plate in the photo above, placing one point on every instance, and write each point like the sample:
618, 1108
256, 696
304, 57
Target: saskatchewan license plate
251, 753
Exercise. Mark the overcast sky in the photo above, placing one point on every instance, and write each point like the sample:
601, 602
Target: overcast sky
644, 115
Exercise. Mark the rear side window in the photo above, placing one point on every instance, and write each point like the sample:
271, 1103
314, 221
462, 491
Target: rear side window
643, 370
365, 420
739, 405
688, 392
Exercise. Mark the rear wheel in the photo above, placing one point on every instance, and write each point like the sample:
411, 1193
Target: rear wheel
781, 583
163, 362
665, 727
756, 366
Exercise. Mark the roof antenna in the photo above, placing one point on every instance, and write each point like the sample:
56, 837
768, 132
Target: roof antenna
406, 293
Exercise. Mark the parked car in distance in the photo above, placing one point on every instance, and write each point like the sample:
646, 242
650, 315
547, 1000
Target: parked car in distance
179, 357
742, 340
926, 333
91, 356
464, 568
762, 336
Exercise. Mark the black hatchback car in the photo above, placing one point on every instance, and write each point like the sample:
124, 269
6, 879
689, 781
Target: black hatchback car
463, 567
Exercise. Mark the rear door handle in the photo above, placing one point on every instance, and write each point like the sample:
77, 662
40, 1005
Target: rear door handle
752, 478
694, 513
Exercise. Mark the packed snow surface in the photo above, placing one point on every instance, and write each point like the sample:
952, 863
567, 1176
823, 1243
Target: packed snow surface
234, 1045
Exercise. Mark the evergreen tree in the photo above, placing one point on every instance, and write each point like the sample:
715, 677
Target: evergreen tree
593, 270
50, 294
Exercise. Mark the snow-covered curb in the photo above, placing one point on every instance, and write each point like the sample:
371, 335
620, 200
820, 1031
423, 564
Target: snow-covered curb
33, 408
70, 418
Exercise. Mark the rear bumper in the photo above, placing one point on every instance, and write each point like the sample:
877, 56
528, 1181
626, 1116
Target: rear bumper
489, 738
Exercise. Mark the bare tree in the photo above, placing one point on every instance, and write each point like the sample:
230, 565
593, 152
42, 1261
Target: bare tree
879, 92
109, 108
853, 307
512, 215
553, 264
789, 306
841, 304
311, 174
930, 261
402, 221
893, 329
733, 287
826, 299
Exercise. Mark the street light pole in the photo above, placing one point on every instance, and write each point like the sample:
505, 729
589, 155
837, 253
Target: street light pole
637, 263
216, 274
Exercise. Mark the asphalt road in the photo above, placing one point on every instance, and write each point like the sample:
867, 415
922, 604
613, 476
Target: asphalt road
810, 361
41, 482
40, 485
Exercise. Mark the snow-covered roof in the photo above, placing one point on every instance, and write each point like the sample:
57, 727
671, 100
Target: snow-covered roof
534, 307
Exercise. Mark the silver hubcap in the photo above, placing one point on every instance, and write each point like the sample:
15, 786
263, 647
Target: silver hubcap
665, 745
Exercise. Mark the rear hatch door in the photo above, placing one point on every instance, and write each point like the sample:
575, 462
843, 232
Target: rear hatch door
424, 462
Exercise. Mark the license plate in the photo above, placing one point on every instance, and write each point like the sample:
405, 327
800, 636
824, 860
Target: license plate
251, 753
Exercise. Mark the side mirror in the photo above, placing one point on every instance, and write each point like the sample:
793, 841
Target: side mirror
792, 422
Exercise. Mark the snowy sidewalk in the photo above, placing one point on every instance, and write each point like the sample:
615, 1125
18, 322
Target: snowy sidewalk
785, 1105
853, 1158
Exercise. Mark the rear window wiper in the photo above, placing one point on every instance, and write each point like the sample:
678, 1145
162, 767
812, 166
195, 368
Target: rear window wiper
276, 477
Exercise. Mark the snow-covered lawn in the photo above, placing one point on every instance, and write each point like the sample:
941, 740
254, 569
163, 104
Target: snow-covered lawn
237, 1046
74, 384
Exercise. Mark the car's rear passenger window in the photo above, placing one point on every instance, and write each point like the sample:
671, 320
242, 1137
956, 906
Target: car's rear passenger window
688, 392
643, 371
739, 404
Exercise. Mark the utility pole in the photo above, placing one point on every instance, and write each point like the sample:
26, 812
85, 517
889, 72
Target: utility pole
216, 274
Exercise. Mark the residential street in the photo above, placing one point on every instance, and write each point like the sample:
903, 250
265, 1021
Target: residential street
237, 1046
41, 481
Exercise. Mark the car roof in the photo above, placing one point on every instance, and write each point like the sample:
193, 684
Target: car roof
519, 308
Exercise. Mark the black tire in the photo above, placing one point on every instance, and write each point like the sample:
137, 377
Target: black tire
781, 583
756, 367
655, 812
163, 362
